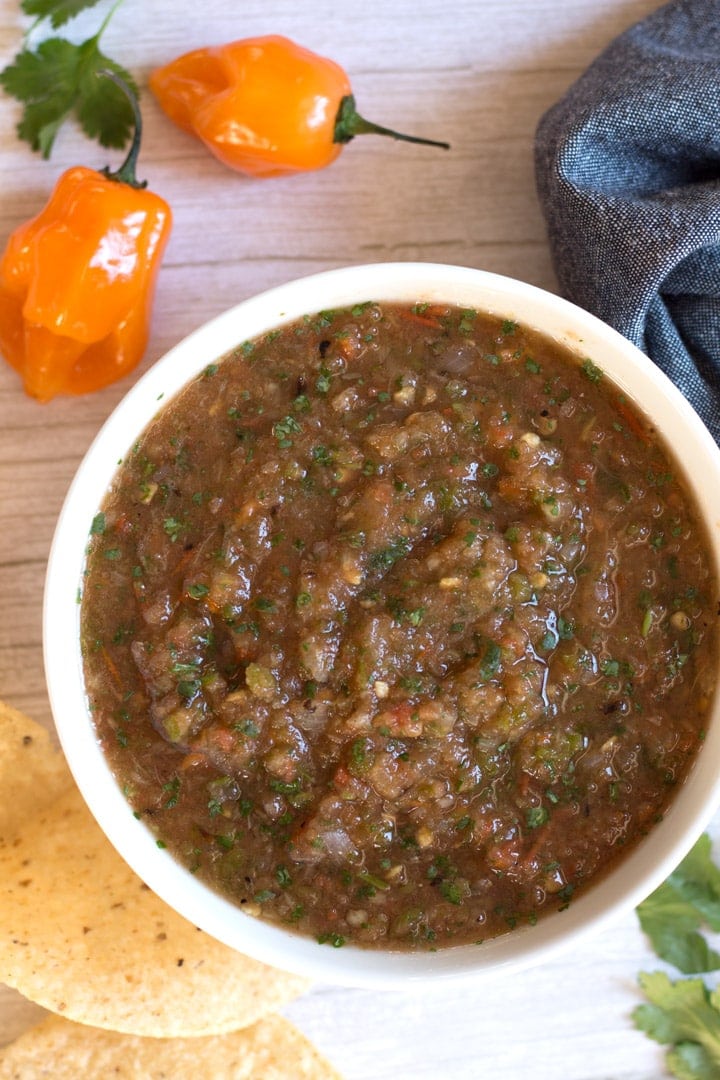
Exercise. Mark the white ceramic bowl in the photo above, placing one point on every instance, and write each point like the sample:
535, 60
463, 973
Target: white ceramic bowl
627, 884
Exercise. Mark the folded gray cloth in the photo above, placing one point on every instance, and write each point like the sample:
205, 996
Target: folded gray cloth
628, 173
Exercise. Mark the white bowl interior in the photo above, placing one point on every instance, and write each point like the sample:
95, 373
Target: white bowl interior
622, 888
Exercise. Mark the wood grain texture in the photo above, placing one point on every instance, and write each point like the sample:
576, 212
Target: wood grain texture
478, 73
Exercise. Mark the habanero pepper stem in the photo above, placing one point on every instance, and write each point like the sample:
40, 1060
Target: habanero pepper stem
78, 280
127, 173
349, 123
265, 106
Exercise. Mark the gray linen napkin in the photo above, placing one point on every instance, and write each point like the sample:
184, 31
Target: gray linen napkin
628, 174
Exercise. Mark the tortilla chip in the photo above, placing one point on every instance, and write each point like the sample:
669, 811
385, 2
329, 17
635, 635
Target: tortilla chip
83, 936
270, 1050
33, 772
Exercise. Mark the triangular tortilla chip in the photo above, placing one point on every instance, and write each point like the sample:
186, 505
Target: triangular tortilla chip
33, 772
270, 1050
83, 936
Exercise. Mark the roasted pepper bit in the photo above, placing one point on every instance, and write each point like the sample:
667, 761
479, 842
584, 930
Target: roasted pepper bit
265, 106
77, 281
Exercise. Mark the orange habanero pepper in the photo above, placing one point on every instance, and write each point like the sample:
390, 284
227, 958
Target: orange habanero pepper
265, 106
77, 281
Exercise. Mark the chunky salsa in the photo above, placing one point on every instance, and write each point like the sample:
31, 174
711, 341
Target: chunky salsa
399, 625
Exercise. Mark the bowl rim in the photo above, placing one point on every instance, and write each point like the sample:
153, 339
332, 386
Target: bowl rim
645, 866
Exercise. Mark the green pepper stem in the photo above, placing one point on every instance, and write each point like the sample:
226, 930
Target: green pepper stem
349, 123
126, 174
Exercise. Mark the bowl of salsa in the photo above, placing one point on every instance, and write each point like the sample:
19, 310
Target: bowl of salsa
381, 625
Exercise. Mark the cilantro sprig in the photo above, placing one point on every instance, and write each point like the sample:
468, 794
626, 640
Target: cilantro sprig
673, 914
684, 1014
57, 80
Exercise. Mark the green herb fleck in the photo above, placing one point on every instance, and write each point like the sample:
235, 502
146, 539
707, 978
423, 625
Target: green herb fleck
322, 383
321, 455
336, 940
283, 876
591, 370
385, 558
490, 662
173, 791
264, 604
283, 429
198, 591
536, 816
173, 527
264, 896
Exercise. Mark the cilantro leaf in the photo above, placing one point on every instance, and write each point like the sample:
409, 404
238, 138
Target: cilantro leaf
689, 1061
102, 108
698, 879
672, 915
671, 923
43, 80
60, 79
686, 1016
58, 11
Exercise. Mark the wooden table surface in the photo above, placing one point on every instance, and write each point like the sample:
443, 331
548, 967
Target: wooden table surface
479, 73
